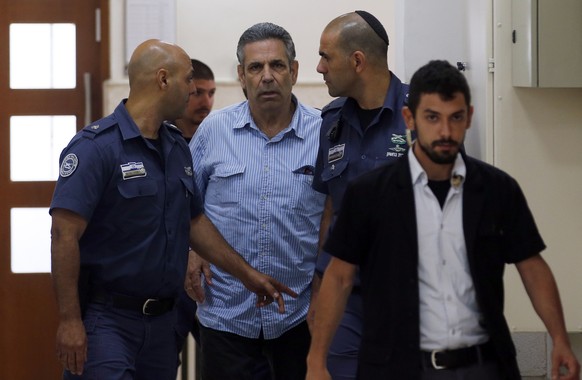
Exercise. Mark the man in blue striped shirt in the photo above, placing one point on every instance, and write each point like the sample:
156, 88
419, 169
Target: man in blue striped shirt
254, 164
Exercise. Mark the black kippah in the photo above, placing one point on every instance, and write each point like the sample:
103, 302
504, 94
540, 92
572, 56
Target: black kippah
375, 24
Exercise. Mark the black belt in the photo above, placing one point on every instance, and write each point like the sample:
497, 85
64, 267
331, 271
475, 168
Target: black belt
146, 306
462, 357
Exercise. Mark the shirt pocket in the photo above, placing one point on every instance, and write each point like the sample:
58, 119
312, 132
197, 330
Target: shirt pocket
335, 177
302, 195
225, 184
334, 171
137, 188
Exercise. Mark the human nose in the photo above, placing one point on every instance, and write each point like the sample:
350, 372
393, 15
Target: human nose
267, 74
207, 100
321, 67
446, 128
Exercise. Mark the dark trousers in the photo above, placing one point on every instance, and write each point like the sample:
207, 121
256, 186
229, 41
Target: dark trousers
127, 345
342, 358
227, 356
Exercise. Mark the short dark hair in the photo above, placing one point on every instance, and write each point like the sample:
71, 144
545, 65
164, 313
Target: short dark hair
265, 31
201, 70
438, 77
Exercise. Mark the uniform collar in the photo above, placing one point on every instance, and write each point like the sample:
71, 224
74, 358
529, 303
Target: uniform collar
127, 126
129, 129
392, 102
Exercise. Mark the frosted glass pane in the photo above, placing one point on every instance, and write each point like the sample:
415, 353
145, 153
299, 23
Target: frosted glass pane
42, 56
36, 143
31, 240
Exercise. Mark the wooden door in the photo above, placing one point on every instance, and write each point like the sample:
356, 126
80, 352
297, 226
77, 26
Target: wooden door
28, 315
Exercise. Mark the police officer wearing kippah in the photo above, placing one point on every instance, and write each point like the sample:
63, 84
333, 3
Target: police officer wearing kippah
361, 130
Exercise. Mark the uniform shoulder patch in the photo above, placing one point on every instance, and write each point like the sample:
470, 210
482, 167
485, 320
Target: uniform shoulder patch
69, 165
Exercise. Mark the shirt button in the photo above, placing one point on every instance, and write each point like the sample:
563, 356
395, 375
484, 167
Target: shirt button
363, 156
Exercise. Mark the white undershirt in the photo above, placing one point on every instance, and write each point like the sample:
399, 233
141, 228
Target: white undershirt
449, 314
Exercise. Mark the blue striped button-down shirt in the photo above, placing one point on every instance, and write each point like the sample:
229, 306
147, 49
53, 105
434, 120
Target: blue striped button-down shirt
257, 191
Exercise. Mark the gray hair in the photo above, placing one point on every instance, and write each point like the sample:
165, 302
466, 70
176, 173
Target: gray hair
265, 31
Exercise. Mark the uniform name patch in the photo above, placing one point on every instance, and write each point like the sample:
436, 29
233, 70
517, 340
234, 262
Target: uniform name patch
133, 170
336, 153
69, 165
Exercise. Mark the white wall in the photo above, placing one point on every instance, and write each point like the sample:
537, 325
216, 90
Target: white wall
209, 31
461, 34
537, 138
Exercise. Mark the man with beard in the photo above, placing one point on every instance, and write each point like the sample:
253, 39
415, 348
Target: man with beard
432, 281
200, 102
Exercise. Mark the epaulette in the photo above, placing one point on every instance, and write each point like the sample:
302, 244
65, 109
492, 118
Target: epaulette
99, 126
334, 104
171, 127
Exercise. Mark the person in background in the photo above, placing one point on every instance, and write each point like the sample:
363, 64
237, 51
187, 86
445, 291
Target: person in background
124, 211
200, 103
199, 106
254, 164
432, 281
361, 130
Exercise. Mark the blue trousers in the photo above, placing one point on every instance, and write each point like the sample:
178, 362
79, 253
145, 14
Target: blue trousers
127, 345
342, 358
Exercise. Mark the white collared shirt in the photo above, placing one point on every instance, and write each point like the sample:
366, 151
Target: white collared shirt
449, 314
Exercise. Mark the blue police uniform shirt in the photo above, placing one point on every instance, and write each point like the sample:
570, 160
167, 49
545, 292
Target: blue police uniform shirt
347, 150
138, 204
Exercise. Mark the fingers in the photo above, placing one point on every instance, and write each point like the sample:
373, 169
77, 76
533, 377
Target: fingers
195, 291
571, 369
284, 289
270, 290
267, 300
72, 362
199, 294
280, 302
207, 272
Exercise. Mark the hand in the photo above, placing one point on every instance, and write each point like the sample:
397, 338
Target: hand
72, 345
197, 267
319, 374
563, 357
267, 289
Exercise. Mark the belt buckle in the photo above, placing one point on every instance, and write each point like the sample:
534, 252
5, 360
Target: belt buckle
433, 360
144, 308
